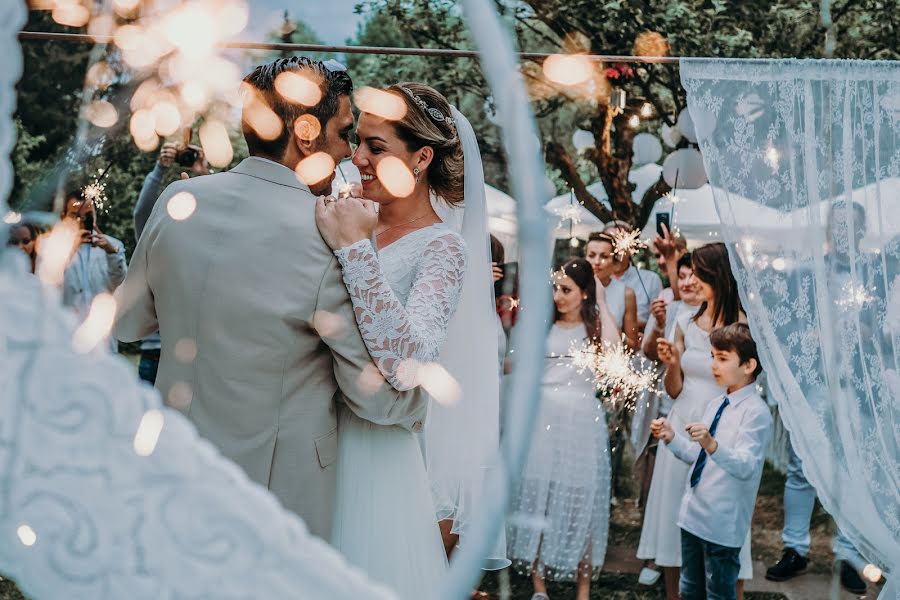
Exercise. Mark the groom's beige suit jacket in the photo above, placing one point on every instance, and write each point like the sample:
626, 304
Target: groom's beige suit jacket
248, 282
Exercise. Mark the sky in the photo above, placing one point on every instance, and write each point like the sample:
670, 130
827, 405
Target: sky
332, 20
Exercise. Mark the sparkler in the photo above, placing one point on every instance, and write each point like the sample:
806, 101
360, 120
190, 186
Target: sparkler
95, 191
570, 212
854, 295
617, 372
626, 243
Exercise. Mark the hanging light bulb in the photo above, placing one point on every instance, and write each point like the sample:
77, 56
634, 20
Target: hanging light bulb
634, 121
646, 110
574, 242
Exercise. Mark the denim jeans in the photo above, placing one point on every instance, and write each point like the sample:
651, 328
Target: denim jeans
799, 499
708, 571
147, 369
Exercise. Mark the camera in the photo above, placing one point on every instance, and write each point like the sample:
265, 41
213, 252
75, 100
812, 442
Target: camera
187, 156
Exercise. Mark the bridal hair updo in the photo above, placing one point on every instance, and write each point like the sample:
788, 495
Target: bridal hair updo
432, 125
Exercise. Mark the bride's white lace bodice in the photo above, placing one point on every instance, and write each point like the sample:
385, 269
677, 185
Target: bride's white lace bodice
404, 296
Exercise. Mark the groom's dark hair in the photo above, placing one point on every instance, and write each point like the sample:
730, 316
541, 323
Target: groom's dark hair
332, 82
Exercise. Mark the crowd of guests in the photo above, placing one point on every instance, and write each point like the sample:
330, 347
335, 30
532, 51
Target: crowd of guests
700, 437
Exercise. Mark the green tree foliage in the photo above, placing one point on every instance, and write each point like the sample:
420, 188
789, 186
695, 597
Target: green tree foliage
718, 28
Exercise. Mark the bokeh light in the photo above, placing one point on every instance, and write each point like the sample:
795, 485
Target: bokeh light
568, 69
147, 434
54, 251
395, 176
307, 127
298, 88
71, 13
216, 143
167, 118
259, 117
101, 75
328, 324
26, 535
380, 103
181, 206
651, 43
125, 8
180, 396
439, 384
96, 327
101, 113
185, 350
315, 168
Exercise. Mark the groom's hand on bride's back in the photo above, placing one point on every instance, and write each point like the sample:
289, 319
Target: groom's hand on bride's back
346, 221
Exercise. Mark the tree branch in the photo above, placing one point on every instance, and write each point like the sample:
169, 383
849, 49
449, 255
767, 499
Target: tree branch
557, 156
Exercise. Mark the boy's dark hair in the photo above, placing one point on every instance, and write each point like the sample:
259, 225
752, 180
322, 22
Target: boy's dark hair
685, 261
736, 338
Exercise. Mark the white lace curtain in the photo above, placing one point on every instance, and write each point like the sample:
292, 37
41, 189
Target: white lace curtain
820, 142
83, 514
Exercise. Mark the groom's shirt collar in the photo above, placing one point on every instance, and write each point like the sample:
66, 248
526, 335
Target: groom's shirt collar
269, 170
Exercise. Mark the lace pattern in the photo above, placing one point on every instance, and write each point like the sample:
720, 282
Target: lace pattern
403, 332
819, 141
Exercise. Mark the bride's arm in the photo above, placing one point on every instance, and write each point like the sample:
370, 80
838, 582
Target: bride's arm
399, 336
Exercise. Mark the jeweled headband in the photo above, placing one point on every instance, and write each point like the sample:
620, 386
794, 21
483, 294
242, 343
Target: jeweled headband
436, 115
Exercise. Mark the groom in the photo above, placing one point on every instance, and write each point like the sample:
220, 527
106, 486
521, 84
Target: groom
259, 341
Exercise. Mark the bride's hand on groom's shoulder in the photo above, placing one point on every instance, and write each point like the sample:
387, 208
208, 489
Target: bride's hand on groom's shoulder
346, 221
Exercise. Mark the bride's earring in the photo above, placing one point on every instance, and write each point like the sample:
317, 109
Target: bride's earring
416, 173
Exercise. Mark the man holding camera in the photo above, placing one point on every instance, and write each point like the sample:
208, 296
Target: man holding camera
97, 264
185, 156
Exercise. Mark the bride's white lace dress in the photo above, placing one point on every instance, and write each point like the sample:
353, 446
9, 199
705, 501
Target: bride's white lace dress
404, 296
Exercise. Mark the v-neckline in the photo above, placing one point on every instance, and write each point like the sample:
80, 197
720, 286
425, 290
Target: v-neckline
411, 233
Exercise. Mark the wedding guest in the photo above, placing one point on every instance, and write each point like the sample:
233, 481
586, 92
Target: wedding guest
690, 383
667, 251
799, 495
656, 402
620, 299
24, 236
646, 284
98, 263
150, 191
562, 510
720, 492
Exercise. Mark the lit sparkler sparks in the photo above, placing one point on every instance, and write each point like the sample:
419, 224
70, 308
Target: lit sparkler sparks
626, 243
672, 197
569, 212
853, 295
618, 373
95, 192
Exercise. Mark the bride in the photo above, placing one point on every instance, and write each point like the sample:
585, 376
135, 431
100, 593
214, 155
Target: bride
418, 291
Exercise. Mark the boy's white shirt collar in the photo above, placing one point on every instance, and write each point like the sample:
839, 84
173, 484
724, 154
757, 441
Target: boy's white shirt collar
741, 394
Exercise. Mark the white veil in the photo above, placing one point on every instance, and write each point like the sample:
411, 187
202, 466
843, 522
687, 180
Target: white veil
461, 440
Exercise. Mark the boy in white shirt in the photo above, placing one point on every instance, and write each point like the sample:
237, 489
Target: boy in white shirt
720, 493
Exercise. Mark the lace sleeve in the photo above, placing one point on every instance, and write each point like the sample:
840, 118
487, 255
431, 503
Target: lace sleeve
398, 337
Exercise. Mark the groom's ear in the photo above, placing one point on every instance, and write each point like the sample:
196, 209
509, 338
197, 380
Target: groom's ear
306, 136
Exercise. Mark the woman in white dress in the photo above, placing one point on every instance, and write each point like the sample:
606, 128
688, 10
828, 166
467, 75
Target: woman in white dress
405, 290
560, 519
689, 382
620, 299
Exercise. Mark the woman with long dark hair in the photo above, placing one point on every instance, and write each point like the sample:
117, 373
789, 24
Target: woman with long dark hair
689, 382
564, 498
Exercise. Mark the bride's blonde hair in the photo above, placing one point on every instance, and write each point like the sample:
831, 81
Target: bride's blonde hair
428, 122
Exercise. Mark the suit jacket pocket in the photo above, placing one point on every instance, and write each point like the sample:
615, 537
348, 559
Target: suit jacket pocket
326, 448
